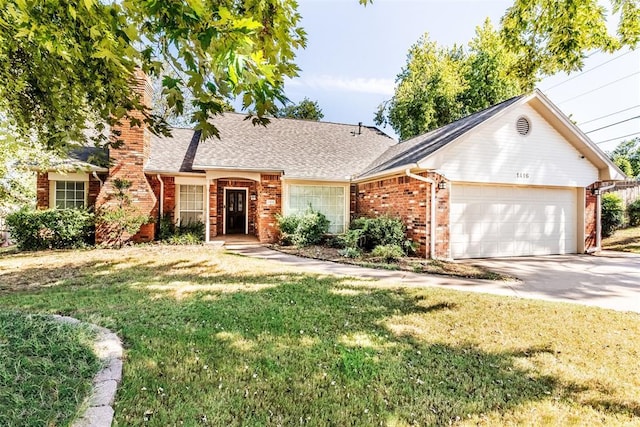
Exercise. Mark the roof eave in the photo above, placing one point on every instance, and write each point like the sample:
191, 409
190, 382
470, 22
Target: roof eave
233, 168
384, 173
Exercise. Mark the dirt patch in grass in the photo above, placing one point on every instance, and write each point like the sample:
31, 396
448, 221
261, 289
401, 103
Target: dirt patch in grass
625, 240
413, 264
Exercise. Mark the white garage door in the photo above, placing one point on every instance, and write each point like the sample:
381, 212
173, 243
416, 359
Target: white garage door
495, 221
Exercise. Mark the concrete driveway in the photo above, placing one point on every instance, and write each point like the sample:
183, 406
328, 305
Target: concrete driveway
609, 280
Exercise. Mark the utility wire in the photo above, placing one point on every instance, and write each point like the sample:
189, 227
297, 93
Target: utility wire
599, 87
609, 115
613, 124
586, 71
619, 137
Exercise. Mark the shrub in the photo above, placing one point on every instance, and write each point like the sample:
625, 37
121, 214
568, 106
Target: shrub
388, 253
51, 228
190, 233
350, 252
167, 227
307, 228
633, 210
382, 230
612, 213
353, 238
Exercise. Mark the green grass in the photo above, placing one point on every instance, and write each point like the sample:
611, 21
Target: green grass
46, 369
217, 339
625, 240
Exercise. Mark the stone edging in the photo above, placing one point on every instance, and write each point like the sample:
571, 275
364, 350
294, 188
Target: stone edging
108, 347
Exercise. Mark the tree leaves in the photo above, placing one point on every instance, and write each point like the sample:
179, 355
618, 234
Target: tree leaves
438, 85
305, 109
67, 64
556, 35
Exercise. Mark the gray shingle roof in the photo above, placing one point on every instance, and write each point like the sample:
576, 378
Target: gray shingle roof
300, 148
413, 150
175, 153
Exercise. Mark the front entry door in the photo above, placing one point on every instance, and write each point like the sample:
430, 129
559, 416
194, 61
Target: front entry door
236, 211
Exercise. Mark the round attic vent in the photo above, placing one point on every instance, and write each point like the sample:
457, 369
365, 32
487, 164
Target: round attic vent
523, 126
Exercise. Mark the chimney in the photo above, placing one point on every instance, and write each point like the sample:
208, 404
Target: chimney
127, 163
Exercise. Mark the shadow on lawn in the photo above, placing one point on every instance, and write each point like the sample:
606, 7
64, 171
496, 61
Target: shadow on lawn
278, 348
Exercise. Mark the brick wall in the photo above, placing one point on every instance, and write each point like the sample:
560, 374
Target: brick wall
219, 203
408, 199
42, 190
590, 228
169, 201
269, 188
128, 163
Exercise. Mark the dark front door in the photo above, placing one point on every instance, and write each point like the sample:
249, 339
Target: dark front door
236, 207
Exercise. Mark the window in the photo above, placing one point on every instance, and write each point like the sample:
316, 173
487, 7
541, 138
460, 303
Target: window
70, 194
328, 200
191, 204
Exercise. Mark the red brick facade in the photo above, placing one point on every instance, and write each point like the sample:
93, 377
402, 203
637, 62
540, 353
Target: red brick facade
127, 162
42, 191
409, 199
269, 204
590, 230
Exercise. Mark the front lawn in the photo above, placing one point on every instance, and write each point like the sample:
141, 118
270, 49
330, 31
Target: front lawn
46, 368
625, 240
218, 339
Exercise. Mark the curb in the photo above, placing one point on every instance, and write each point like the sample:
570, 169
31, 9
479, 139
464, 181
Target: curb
99, 405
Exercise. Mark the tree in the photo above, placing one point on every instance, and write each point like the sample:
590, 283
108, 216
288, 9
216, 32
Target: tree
438, 85
556, 35
65, 63
305, 109
491, 71
628, 152
17, 180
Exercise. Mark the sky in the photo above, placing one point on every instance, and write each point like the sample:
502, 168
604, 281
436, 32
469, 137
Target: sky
354, 54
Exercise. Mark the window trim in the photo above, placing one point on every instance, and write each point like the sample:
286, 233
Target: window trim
224, 208
347, 196
68, 177
177, 216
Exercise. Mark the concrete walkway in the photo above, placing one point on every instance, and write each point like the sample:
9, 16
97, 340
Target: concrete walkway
539, 282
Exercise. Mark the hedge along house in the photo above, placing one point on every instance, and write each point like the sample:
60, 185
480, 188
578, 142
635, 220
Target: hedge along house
516, 179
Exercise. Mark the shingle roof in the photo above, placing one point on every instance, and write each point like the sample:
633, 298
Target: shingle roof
175, 153
300, 148
411, 151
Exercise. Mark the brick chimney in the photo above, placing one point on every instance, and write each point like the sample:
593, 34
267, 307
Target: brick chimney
127, 162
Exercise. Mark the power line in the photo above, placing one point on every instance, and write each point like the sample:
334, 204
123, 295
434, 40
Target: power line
599, 87
613, 124
619, 137
609, 115
586, 71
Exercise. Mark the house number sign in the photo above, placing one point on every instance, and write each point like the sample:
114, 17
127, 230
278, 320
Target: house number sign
522, 174
271, 202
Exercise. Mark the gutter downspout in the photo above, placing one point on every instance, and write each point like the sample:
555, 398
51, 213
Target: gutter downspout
599, 216
432, 207
161, 195
95, 175
160, 204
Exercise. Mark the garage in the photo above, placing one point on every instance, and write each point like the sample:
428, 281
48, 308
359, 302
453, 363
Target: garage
502, 220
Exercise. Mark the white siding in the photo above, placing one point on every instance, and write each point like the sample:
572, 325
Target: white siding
493, 221
495, 153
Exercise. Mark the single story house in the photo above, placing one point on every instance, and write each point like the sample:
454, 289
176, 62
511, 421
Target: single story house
518, 178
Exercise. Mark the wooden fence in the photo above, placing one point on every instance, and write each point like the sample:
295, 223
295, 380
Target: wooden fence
629, 192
